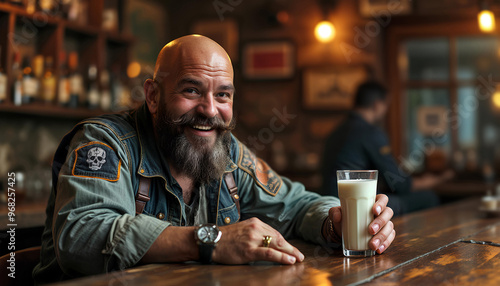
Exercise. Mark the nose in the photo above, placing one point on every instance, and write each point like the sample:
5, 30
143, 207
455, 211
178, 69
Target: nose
207, 106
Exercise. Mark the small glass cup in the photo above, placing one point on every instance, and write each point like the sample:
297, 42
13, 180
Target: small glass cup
357, 192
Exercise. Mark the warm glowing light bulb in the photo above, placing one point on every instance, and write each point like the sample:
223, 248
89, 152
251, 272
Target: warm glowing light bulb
496, 99
133, 69
486, 20
324, 31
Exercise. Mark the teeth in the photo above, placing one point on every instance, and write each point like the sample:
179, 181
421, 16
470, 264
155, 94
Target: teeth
201, 127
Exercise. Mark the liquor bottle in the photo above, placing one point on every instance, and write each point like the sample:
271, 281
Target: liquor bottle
75, 81
29, 83
64, 6
37, 66
63, 85
83, 15
48, 6
122, 100
30, 6
48, 93
17, 90
106, 99
76, 11
3, 81
110, 16
92, 87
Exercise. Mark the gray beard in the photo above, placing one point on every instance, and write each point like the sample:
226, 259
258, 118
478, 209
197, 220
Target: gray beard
199, 162
196, 159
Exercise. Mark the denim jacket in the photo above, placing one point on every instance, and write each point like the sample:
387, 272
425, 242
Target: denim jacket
91, 226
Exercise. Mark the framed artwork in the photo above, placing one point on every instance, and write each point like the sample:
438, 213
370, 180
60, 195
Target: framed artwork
223, 32
370, 8
146, 20
331, 88
432, 120
269, 60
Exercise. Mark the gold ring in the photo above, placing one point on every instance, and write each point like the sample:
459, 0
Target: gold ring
266, 241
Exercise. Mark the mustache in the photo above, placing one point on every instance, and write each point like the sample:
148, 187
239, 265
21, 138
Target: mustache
188, 120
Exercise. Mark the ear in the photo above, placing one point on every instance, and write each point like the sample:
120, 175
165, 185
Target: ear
151, 91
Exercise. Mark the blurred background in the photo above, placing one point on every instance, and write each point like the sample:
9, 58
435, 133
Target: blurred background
66, 60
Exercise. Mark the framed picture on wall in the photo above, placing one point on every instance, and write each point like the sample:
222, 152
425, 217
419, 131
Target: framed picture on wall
432, 120
269, 60
225, 33
327, 88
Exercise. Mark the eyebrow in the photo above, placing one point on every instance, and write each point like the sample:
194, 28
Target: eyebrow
184, 81
190, 81
227, 87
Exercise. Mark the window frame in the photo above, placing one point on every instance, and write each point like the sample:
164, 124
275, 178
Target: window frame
412, 28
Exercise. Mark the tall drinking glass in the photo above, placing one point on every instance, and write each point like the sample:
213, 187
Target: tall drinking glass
357, 191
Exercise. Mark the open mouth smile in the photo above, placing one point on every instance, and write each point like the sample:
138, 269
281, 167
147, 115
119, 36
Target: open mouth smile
202, 127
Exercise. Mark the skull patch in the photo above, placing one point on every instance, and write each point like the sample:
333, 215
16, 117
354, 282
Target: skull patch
96, 157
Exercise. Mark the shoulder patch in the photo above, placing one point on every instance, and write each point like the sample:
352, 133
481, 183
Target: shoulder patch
259, 170
97, 160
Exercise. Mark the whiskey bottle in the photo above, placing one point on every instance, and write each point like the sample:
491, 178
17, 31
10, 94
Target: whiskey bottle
3, 81
29, 83
48, 6
37, 66
48, 93
63, 85
17, 90
92, 88
75, 81
106, 98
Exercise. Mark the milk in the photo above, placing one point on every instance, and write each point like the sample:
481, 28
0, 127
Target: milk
357, 198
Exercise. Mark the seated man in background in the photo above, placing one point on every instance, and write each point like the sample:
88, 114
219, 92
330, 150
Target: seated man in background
170, 183
358, 144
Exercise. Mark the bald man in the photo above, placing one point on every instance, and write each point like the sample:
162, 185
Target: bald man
170, 183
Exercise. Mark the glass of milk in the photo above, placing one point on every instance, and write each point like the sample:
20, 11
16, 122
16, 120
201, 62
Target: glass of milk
357, 191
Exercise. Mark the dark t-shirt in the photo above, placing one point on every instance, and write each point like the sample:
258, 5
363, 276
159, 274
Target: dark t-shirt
358, 145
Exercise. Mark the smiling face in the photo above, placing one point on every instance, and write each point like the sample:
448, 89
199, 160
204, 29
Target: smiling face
191, 102
202, 87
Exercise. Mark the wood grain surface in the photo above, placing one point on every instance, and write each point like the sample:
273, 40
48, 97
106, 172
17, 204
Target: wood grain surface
427, 250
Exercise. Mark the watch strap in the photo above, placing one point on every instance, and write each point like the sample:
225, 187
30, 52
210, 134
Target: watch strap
205, 251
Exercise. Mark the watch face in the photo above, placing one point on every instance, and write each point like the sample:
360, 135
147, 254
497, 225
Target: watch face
207, 234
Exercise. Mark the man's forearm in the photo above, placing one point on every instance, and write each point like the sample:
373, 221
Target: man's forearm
175, 244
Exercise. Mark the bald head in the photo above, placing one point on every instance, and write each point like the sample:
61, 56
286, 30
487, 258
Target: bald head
192, 51
193, 75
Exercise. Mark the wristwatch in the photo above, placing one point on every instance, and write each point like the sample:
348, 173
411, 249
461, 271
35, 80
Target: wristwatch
207, 236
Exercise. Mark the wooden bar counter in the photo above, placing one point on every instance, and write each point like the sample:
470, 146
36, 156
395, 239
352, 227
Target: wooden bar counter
430, 248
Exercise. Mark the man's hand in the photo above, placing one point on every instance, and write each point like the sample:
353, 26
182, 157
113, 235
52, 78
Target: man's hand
381, 227
242, 243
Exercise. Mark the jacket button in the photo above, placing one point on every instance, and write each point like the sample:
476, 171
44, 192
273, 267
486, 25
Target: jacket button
160, 216
142, 171
227, 220
236, 197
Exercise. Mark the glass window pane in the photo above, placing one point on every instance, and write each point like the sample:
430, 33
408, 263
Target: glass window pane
467, 117
428, 59
427, 125
477, 55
